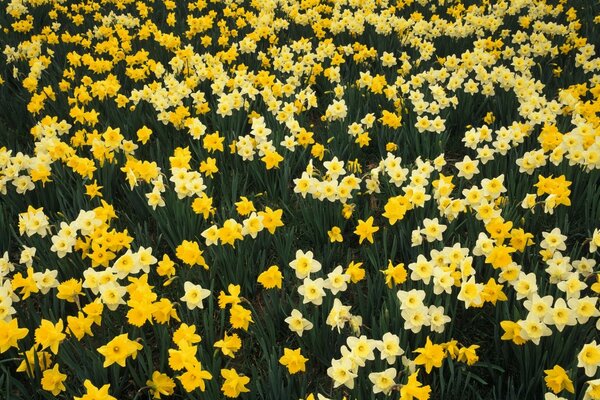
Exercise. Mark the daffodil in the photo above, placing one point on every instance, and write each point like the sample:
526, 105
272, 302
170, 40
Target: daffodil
365, 230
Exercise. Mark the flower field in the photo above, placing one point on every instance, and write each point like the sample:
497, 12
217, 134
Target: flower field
315, 199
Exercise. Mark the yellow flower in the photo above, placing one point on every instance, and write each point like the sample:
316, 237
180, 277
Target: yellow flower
163, 311
229, 345
230, 232
93, 190
519, 239
166, 267
271, 159
414, 389
118, 350
183, 357
362, 139
558, 380
596, 285
26, 284
80, 325
512, 331
50, 335
293, 360
94, 311
53, 380
355, 271
390, 119
318, 151
430, 356
209, 166
194, 378
271, 219
94, 393
213, 142
271, 278
234, 383
181, 158
244, 206
451, 348
140, 311
500, 256
489, 118
395, 209
391, 146
468, 355
347, 210
160, 384
186, 333
34, 357
10, 333
203, 205
365, 230
143, 134
232, 298
335, 235
498, 229
190, 253
492, 292
240, 317
395, 274
69, 290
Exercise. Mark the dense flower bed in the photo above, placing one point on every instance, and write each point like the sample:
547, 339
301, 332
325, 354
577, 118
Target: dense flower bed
299, 199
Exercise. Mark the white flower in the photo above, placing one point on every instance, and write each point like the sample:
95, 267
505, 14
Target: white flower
297, 323
194, 294
383, 381
553, 240
433, 230
339, 315
437, 318
589, 358
337, 280
415, 318
342, 372
312, 291
45, 280
389, 346
5, 265
304, 264
27, 255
